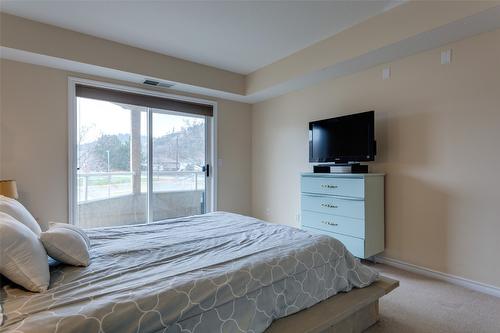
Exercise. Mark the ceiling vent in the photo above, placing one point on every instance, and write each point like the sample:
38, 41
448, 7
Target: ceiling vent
157, 83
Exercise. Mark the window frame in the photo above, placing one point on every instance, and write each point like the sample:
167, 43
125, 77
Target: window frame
211, 142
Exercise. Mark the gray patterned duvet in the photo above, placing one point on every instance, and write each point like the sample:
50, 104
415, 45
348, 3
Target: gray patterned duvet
218, 272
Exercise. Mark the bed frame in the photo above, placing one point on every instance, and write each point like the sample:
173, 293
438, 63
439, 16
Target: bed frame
353, 312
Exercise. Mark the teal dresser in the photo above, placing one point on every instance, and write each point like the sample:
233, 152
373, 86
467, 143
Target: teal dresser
348, 207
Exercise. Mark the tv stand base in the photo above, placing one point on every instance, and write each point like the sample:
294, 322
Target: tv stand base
341, 168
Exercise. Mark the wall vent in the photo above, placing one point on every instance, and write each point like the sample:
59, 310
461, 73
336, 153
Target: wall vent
157, 83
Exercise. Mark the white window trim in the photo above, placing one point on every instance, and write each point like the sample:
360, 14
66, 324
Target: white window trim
72, 130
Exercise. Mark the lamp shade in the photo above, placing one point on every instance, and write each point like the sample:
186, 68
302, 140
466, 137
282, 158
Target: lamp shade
8, 188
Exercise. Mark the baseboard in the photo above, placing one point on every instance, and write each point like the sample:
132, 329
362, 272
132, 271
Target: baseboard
453, 279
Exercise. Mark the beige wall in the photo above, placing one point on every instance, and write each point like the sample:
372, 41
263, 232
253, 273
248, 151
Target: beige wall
31, 36
399, 23
34, 148
438, 132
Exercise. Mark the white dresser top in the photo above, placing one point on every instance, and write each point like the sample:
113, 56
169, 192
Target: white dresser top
343, 175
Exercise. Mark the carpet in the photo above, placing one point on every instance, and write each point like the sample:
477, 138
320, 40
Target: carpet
426, 305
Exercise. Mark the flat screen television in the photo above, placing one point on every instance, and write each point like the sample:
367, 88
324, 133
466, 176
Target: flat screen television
343, 139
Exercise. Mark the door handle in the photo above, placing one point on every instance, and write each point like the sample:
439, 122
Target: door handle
206, 169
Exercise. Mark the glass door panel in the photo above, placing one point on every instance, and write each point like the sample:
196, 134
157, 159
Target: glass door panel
112, 163
178, 162
136, 164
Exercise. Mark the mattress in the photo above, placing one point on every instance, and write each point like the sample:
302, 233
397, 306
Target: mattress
218, 272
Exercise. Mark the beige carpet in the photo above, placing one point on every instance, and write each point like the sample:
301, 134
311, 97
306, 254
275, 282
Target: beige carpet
421, 304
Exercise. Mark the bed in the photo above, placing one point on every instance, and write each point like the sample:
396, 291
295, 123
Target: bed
218, 272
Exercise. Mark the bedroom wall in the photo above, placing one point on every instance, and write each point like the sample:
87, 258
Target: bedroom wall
410, 18
18, 33
34, 151
438, 133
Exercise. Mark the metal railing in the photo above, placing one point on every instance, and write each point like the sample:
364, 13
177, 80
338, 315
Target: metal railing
106, 185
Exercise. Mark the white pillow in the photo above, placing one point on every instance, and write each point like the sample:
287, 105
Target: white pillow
66, 245
72, 227
15, 209
23, 259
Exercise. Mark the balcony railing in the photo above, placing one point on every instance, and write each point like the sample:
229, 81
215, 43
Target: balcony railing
105, 185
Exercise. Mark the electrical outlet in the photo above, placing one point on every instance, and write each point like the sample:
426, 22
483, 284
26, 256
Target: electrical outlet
446, 57
386, 73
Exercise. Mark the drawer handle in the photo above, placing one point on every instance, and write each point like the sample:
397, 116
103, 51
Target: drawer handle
330, 223
328, 206
328, 186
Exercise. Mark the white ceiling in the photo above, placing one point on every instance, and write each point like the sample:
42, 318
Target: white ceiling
240, 36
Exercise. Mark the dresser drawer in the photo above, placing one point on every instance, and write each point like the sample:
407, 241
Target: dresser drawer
348, 187
333, 223
354, 245
354, 208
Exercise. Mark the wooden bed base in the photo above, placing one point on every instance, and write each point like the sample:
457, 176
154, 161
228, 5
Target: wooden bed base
352, 312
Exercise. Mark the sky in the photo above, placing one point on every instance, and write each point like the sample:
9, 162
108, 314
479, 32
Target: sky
101, 117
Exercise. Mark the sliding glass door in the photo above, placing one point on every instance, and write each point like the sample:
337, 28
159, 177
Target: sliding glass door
179, 160
139, 164
112, 159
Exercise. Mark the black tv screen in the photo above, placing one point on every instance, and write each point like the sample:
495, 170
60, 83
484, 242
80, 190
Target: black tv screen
343, 139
